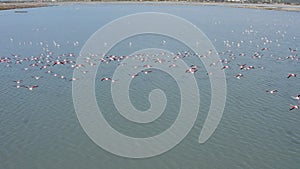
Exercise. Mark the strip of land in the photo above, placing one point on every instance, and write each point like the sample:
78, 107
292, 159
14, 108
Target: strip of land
279, 7
20, 5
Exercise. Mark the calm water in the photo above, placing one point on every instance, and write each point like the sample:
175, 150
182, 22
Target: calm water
39, 128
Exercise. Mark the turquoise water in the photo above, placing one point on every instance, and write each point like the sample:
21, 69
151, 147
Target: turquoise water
39, 128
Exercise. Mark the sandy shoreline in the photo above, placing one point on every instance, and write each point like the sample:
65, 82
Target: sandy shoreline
279, 7
20, 5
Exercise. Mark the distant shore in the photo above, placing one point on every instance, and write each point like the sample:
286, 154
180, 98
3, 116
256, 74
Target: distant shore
20, 5
279, 7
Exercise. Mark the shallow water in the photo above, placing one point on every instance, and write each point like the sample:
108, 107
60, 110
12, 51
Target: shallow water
39, 128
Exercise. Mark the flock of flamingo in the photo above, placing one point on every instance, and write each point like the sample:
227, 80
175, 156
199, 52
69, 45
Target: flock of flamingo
49, 62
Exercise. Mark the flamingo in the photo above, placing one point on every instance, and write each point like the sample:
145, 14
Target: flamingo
272, 91
294, 107
291, 75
